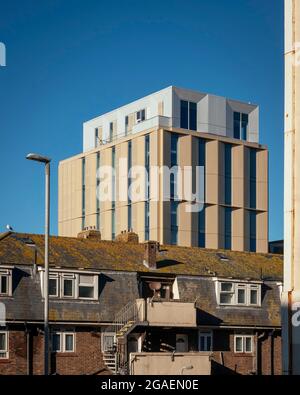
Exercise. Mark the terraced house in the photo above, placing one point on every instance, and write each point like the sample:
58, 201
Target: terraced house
122, 306
171, 129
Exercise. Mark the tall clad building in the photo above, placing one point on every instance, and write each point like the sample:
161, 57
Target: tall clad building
181, 128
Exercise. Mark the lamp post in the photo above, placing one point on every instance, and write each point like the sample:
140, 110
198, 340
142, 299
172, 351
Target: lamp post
46, 161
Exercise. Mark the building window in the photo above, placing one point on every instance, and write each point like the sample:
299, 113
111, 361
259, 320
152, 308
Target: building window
96, 137
202, 213
147, 220
98, 192
53, 285
243, 344
205, 341
3, 345
188, 115
113, 201
73, 286
129, 212
226, 293
113, 224
252, 231
63, 342
111, 131
201, 227
174, 222
5, 282
227, 228
68, 282
126, 124
83, 194
238, 294
227, 171
141, 116
241, 122
252, 177
86, 288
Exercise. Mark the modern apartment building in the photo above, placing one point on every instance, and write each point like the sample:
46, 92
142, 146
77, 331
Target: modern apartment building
172, 129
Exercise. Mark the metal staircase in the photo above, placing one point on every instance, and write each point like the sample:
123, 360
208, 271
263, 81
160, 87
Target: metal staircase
115, 356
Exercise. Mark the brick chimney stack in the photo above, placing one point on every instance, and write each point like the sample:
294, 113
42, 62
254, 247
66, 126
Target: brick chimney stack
150, 248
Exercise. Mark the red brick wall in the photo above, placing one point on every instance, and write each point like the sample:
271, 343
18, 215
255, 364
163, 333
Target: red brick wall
229, 362
87, 358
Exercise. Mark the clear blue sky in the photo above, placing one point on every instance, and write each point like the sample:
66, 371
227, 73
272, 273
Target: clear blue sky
69, 61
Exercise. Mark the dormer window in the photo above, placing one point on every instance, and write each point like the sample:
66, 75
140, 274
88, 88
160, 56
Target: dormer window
238, 294
5, 282
141, 116
73, 285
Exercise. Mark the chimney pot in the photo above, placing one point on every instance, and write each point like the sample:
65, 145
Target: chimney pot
150, 249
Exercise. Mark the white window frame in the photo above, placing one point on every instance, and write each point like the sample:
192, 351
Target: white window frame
243, 337
55, 276
257, 288
6, 350
205, 334
94, 286
62, 335
235, 287
244, 288
139, 115
8, 275
67, 276
232, 292
75, 277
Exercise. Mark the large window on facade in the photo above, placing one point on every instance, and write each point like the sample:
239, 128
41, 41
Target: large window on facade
188, 115
63, 342
240, 122
147, 220
252, 177
239, 294
228, 171
173, 190
174, 222
5, 282
83, 194
113, 200
202, 184
3, 345
147, 187
227, 228
73, 285
129, 211
97, 192
111, 131
252, 231
243, 344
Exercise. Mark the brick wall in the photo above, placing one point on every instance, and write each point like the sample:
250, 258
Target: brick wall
226, 361
87, 358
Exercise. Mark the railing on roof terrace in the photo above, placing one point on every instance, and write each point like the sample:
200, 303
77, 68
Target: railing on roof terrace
156, 121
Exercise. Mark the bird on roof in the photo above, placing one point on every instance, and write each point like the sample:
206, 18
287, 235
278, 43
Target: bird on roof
9, 228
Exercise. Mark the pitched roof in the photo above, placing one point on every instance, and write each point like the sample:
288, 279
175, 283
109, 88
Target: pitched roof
67, 252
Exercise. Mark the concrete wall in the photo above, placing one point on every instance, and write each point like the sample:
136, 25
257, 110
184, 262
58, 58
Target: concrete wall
170, 364
175, 314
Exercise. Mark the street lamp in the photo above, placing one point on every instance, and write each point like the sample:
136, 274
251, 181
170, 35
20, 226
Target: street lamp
46, 161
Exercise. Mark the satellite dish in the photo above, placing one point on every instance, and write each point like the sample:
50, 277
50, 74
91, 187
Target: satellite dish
8, 227
155, 286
